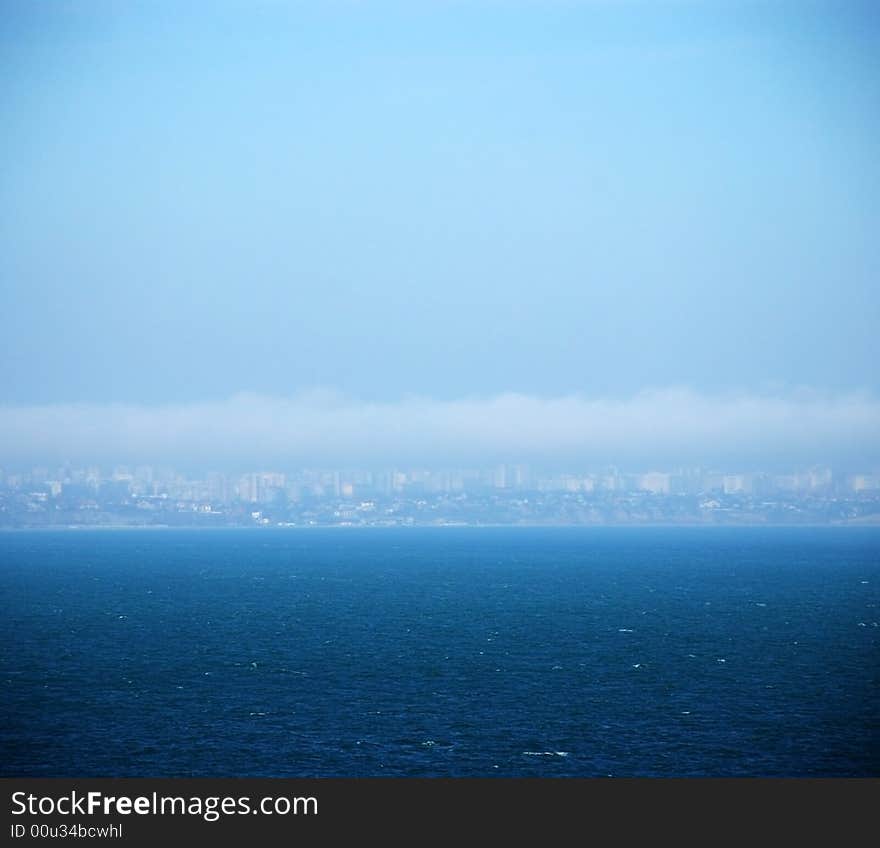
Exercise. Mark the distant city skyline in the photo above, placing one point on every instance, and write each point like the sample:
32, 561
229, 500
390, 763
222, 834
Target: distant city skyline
263, 485
145, 496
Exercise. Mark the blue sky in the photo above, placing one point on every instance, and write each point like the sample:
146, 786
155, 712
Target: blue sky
445, 199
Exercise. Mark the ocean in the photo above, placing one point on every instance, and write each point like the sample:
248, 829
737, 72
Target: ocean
441, 652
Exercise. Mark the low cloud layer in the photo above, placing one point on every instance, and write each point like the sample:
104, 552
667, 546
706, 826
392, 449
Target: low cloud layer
652, 429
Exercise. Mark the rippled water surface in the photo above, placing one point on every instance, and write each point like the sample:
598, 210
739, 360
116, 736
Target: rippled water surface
448, 652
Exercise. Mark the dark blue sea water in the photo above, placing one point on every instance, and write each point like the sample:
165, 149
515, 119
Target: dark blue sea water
449, 652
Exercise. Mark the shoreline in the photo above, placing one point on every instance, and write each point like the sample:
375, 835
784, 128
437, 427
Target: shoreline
107, 528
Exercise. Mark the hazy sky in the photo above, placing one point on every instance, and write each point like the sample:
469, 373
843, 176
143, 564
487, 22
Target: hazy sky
455, 201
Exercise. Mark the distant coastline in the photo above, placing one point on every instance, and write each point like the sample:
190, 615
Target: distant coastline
873, 522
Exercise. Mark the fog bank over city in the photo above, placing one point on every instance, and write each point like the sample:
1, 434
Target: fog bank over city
658, 428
